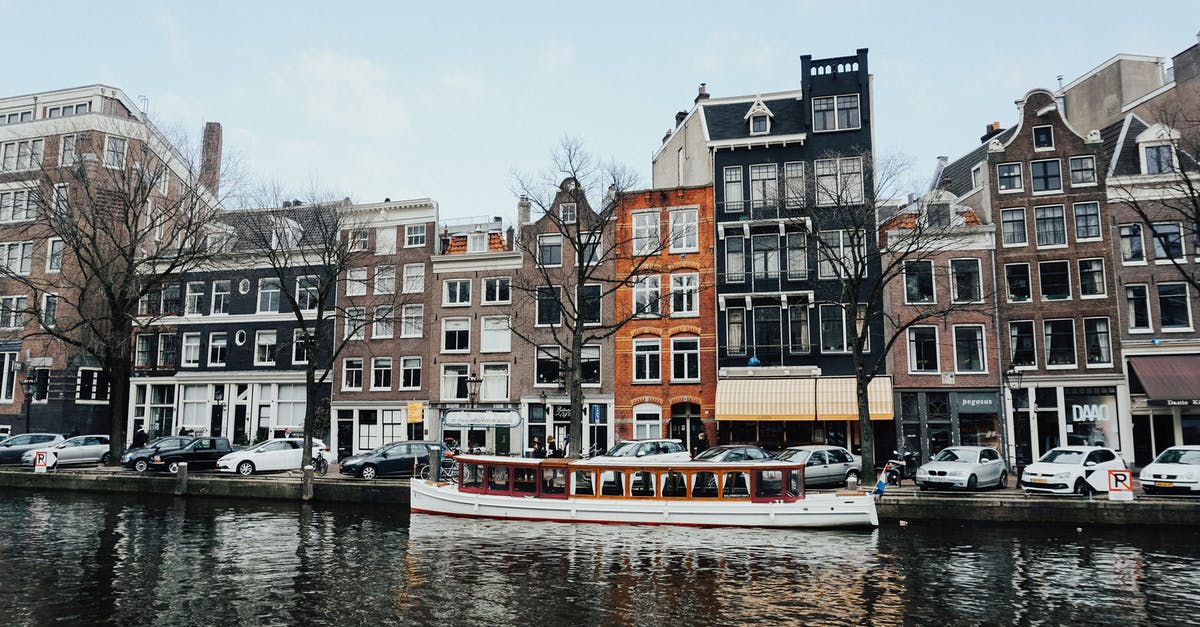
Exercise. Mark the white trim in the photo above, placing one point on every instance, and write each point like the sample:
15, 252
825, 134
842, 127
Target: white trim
1074, 345
1034, 131
932, 280
1042, 286
1020, 168
908, 344
1028, 279
983, 355
1103, 276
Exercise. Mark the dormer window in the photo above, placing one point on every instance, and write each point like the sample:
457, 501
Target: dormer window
758, 124
286, 234
1158, 159
568, 213
1156, 147
477, 243
1043, 137
759, 117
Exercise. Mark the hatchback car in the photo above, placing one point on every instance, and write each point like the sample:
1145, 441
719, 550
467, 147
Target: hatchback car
823, 465
139, 458
657, 450
1072, 469
967, 467
734, 453
396, 459
83, 449
12, 448
1176, 469
272, 455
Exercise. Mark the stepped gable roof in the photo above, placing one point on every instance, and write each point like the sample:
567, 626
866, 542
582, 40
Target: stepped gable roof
956, 176
458, 244
728, 120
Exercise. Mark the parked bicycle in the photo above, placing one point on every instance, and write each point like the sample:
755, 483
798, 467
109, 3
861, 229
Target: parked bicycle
320, 466
449, 471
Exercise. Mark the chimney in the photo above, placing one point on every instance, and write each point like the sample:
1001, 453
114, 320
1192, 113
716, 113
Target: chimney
702, 95
679, 116
992, 130
523, 211
508, 237
210, 158
666, 136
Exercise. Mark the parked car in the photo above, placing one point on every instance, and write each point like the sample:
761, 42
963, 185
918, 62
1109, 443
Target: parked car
823, 465
139, 458
1176, 469
13, 447
81, 449
272, 455
969, 467
734, 453
396, 459
1072, 469
657, 450
199, 453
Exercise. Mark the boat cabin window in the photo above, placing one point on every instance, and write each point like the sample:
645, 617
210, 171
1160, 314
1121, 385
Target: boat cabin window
736, 485
472, 477
554, 482
498, 478
612, 483
641, 483
525, 480
583, 483
768, 484
705, 486
674, 484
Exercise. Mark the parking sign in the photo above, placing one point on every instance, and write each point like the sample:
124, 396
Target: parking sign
1120, 485
39, 461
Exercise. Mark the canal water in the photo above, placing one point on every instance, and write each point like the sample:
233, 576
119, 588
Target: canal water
74, 559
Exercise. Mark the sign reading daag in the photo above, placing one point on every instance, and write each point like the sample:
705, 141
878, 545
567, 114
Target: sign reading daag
481, 418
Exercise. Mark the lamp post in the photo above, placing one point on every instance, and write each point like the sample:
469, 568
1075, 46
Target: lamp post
27, 390
473, 382
1012, 378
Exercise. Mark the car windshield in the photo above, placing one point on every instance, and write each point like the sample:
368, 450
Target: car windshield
1179, 456
381, 449
623, 449
793, 455
158, 442
1062, 456
951, 455
711, 454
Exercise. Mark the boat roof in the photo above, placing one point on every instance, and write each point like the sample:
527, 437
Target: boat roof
616, 462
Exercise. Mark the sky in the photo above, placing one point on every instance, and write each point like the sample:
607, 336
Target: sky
453, 100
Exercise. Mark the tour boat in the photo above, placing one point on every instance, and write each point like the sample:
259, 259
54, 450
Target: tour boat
704, 494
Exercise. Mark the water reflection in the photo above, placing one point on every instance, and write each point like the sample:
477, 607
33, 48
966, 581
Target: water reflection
90, 559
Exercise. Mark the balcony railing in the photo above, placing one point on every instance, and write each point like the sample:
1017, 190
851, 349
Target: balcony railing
773, 209
764, 354
765, 281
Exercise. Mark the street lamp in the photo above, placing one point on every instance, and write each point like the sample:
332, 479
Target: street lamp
27, 389
473, 382
1012, 378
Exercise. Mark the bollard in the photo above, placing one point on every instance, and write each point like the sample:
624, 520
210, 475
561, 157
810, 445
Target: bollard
306, 491
181, 479
852, 483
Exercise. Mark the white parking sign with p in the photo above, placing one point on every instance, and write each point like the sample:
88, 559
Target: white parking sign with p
1120, 485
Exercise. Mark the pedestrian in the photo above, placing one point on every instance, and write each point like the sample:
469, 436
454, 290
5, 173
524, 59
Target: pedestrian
701, 444
75, 431
183, 431
539, 451
140, 438
552, 449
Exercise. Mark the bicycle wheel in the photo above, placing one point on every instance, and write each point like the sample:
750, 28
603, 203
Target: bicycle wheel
321, 466
423, 472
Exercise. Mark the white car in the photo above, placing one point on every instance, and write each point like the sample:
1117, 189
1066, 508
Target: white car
968, 467
81, 449
272, 455
1176, 469
657, 450
1072, 470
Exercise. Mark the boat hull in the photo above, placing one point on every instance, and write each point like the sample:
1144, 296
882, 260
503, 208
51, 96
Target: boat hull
815, 510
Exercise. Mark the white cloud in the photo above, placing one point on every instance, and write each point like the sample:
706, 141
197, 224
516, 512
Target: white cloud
347, 94
455, 92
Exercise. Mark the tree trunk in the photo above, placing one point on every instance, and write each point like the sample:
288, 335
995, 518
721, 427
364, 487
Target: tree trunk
118, 407
575, 383
310, 426
866, 433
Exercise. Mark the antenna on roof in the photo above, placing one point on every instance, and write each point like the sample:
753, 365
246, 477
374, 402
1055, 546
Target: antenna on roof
144, 102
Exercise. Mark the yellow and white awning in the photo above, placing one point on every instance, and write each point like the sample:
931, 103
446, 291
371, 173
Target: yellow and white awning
820, 398
837, 398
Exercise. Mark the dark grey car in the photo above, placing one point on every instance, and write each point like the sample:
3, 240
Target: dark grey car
12, 448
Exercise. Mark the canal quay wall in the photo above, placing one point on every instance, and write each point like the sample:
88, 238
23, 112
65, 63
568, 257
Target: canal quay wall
1004, 506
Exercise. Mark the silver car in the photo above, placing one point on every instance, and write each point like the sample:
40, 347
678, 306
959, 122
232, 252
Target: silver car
823, 465
82, 449
968, 467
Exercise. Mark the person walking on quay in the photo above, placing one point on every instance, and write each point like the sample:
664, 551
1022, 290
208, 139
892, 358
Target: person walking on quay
538, 450
701, 444
552, 449
140, 438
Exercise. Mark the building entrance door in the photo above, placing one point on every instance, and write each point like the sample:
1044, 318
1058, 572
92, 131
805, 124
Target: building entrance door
345, 438
240, 424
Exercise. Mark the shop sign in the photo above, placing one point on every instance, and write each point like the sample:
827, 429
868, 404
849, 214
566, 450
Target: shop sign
1195, 402
596, 415
416, 411
1089, 413
481, 418
977, 403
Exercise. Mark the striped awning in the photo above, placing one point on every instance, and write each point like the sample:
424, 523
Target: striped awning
766, 399
837, 398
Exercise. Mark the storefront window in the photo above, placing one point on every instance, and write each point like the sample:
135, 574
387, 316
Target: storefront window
1092, 417
979, 430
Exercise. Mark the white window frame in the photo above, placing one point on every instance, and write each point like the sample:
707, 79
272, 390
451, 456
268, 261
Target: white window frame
346, 369
1049, 191
450, 392
1020, 176
983, 351
162, 349
647, 421
1063, 218
1071, 171
544, 243
51, 256
648, 288
685, 230
932, 282
414, 278
1109, 326
497, 281
1033, 138
1024, 228
454, 297
383, 315
299, 354
1012, 345
1141, 244
477, 242
568, 212
537, 305
1103, 278
686, 283
1145, 163
732, 179
912, 355
1099, 221
357, 240
193, 299
258, 344
846, 348
647, 356
1155, 243
278, 289
647, 239
954, 283
1187, 300
1046, 348
491, 373
376, 368
690, 354
1149, 328
456, 321
385, 240
414, 236
495, 335
1028, 280
409, 313
406, 367
384, 284
108, 152
1042, 285
190, 340
308, 292
837, 118
50, 312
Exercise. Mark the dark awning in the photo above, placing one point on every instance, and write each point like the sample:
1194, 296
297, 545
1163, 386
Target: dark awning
1168, 379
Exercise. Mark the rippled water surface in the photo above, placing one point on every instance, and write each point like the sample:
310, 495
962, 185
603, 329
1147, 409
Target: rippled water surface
86, 559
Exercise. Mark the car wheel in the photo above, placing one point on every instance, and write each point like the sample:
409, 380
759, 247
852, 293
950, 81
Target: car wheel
141, 465
245, 468
104, 459
852, 476
1082, 488
173, 467
972, 483
367, 472
1003, 481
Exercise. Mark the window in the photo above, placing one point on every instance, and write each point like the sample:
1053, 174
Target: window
358, 239
191, 350
307, 293
385, 240
1008, 176
167, 350
1060, 342
937, 214
412, 320
765, 255
143, 349
410, 373
456, 335
61, 199
550, 250
833, 329
1013, 225
13, 118
454, 382
1168, 241
477, 242
1017, 277
835, 113
495, 383
12, 312
220, 297
67, 153
590, 249
568, 212
194, 299
217, 346
91, 384
839, 181
976, 177
1043, 138
18, 205
497, 290
1021, 342
1083, 170
1087, 221
798, 331
1046, 176
797, 256
383, 322
966, 281
456, 292
647, 423
114, 152
50, 310
495, 335
646, 360
22, 155
381, 373
300, 341
733, 190
590, 301
645, 233
684, 231
764, 185
1131, 244
1051, 226
1138, 299
758, 124
589, 365
968, 349
1056, 279
646, 295
414, 278
356, 323
1096, 342
352, 373
793, 184
1091, 277
385, 279
546, 365
264, 348
549, 305
18, 257
836, 253
922, 350
1173, 309
684, 288
268, 295
735, 331
735, 259
918, 282
685, 359
414, 235
170, 299
1159, 159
